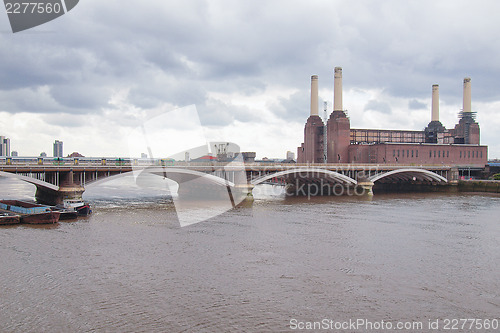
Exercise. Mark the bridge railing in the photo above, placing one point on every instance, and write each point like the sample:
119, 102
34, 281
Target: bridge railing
140, 162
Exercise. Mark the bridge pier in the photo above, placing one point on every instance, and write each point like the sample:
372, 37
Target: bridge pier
367, 186
68, 189
242, 194
51, 197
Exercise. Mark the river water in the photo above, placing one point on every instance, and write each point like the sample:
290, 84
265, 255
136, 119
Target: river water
130, 267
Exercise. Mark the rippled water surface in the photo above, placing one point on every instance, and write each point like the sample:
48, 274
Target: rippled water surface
130, 267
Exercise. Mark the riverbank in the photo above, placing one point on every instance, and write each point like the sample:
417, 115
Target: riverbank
491, 186
473, 186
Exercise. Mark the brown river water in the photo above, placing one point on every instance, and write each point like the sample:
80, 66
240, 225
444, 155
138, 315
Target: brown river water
271, 267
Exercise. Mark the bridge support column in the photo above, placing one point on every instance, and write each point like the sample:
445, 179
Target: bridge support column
242, 194
367, 186
453, 176
52, 197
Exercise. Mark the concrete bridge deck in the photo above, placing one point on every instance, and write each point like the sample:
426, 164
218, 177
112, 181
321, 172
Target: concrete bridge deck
59, 179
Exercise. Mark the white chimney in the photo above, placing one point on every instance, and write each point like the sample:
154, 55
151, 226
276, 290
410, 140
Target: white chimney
467, 95
314, 95
435, 102
337, 89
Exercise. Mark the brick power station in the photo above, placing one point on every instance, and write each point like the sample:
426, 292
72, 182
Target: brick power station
434, 145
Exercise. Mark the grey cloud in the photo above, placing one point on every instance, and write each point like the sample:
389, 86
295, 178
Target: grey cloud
217, 113
294, 108
89, 99
177, 52
379, 106
416, 105
34, 100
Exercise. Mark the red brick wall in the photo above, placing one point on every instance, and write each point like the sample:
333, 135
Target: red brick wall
338, 136
313, 141
419, 154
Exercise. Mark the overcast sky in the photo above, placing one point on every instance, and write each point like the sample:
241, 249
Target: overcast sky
95, 75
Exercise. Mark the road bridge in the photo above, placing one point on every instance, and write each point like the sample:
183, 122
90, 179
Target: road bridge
58, 179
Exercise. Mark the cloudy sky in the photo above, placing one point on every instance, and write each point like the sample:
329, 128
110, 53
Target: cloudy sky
97, 74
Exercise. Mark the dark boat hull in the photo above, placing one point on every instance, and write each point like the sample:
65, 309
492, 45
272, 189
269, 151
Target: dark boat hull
7, 219
84, 210
41, 218
31, 213
67, 214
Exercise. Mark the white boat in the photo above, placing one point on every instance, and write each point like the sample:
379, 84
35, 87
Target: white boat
80, 206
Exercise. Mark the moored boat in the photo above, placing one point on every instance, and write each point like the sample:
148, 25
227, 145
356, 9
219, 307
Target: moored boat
66, 214
7, 218
80, 206
31, 213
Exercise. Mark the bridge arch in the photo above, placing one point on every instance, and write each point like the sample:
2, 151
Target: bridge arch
177, 175
31, 180
332, 174
409, 174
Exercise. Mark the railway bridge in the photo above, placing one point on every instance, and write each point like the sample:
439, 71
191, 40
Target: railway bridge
58, 179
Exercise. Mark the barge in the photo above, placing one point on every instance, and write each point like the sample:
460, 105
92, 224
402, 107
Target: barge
7, 218
31, 213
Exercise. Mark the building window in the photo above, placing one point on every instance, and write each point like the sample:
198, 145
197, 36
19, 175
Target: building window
439, 153
460, 154
443, 153
394, 153
398, 152
430, 153
412, 153
407, 152
434, 154
417, 153
469, 153
481, 154
447, 153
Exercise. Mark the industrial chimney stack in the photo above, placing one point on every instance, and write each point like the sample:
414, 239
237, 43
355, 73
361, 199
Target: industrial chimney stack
435, 102
314, 95
467, 96
311, 151
435, 127
337, 89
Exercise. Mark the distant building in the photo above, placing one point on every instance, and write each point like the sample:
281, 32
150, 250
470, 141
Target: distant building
249, 157
205, 158
290, 155
14, 154
75, 154
143, 155
58, 148
43, 154
4, 146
